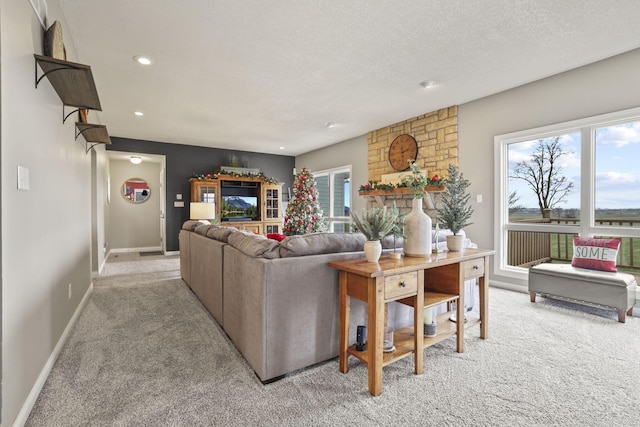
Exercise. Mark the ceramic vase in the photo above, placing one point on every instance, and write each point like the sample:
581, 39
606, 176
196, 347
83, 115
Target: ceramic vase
372, 250
417, 228
454, 243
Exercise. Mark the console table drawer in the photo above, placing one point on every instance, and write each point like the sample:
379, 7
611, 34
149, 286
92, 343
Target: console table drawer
473, 268
400, 284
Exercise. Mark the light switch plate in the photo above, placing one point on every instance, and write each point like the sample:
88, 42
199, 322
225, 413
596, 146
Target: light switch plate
23, 178
178, 196
178, 204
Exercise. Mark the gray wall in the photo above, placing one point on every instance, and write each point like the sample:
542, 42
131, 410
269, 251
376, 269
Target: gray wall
134, 225
602, 87
350, 152
47, 229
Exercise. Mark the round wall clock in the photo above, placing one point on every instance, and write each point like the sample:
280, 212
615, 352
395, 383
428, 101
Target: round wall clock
402, 149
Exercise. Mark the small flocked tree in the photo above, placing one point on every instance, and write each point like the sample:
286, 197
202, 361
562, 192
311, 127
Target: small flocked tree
303, 214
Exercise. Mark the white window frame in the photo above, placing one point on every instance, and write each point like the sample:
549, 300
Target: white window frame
330, 172
587, 226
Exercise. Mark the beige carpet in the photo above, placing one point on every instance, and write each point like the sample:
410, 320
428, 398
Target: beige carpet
145, 352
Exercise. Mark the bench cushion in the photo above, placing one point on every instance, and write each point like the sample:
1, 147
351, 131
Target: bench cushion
583, 274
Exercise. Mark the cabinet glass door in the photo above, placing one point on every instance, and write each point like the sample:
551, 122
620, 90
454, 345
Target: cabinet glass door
272, 203
207, 194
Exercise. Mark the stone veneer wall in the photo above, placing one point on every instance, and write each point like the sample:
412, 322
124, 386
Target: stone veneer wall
436, 134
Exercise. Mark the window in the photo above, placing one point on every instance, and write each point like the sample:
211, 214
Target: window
559, 181
334, 191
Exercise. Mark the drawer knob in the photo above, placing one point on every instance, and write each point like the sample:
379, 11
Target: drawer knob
403, 284
475, 267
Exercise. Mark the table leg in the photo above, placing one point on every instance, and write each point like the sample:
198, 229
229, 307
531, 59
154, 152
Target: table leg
344, 324
418, 323
375, 319
483, 287
460, 315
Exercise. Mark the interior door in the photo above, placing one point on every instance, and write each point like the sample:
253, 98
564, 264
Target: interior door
163, 197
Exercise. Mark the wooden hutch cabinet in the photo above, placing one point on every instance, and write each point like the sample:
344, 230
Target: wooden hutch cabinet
246, 203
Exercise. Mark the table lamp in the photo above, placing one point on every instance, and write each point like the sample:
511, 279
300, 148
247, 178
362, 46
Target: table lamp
202, 211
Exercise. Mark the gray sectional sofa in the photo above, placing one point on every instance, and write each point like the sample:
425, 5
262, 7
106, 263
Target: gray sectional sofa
277, 301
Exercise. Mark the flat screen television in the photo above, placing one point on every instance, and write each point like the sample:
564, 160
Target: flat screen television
239, 208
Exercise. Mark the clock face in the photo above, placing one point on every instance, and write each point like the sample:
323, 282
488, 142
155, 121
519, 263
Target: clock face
403, 149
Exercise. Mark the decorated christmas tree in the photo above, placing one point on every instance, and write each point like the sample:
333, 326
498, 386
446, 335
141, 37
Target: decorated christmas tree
303, 214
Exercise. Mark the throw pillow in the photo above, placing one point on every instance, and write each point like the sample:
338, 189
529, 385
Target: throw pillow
595, 254
276, 236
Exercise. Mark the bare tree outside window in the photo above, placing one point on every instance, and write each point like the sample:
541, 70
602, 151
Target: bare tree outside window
542, 172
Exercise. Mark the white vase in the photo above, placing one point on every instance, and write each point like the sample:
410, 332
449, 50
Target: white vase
372, 250
454, 243
417, 229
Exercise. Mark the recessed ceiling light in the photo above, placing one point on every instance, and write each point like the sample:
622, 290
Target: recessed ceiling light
136, 160
330, 124
138, 113
142, 60
282, 148
427, 84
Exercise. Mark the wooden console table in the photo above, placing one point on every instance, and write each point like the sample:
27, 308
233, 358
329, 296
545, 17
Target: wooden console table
420, 283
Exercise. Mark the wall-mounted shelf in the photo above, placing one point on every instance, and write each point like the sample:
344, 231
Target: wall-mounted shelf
93, 134
75, 86
72, 82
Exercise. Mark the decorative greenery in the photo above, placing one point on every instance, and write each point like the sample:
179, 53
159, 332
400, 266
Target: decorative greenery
216, 175
456, 210
398, 225
303, 214
417, 181
375, 223
375, 185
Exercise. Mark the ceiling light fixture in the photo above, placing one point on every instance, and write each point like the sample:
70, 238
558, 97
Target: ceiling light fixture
136, 160
142, 60
282, 148
138, 113
427, 84
330, 124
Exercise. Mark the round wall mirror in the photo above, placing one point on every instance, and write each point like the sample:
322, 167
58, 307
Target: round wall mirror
136, 190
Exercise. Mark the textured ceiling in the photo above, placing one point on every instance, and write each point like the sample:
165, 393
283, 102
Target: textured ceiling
257, 75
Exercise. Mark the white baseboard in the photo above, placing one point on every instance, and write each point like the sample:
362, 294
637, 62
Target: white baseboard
27, 406
171, 253
124, 250
507, 285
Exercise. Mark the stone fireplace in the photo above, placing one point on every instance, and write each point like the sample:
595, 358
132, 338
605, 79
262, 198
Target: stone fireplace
436, 134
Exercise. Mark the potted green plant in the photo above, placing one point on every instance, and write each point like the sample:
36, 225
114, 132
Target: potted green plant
375, 224
455, 210
417, 223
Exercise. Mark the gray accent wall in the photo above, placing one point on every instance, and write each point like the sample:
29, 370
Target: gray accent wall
183, 161
602, 87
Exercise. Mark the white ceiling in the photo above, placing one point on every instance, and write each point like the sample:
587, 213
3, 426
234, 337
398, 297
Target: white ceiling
257, 75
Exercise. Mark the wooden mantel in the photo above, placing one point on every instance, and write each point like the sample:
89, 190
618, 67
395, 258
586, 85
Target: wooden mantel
379, 196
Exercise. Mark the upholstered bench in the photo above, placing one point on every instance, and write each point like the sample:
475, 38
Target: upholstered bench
610, 289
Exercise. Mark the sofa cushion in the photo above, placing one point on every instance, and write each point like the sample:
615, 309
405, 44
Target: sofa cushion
191, 224
321, 243
220, 233
388, 242
202, 229
595, 254
255, 245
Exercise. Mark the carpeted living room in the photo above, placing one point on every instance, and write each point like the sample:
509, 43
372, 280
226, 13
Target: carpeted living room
105, 320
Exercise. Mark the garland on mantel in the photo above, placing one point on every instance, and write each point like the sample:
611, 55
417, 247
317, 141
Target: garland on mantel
434, 181
216, 175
